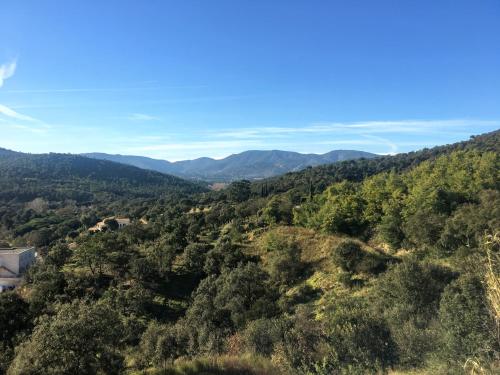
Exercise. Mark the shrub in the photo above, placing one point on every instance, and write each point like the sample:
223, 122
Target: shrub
407, 296
304, 293
283, 260
348, 255
300, 341
260, 336
194, 257
80, 339
468, 329
160, 345
357, 338
225, 255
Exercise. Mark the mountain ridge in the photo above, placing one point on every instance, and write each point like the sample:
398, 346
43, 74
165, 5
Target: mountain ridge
251, 164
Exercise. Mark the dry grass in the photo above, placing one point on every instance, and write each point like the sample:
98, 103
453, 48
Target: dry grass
219, 365
316, 247
493, 276
411, 372
492, 280
316, 252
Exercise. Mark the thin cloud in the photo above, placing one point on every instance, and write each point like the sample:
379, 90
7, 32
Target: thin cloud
200, 145
99, 89
7, 71
348, 142
393, 148
6, 111
361, 128
30, 128
142, 117
354, 143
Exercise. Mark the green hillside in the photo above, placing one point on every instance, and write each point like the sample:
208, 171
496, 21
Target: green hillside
77, 177
388, 265
318, 178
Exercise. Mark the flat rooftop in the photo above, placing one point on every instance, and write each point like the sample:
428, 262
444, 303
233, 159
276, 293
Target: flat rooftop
15, 250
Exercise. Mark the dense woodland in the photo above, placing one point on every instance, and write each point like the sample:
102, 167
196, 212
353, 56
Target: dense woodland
385, 265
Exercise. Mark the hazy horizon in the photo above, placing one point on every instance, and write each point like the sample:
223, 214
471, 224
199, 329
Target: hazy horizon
235, 153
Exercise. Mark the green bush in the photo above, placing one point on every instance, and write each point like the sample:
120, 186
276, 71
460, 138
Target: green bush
407, 296
283, 260
356, 338
467, 327
194, 257
260, 336
348, 255
160, 345
81, 338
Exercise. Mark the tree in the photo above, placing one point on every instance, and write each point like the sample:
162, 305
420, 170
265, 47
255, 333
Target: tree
130, 300
194, 257
39, 238
423, 228
47, 283
261, 335
81, 338
15, 324
160, 345
343, 211
58, 255
162, 254
14, 316
300, 341
239, 191
390, 228
278, 210
244, 293
283, 260
89, 219
206, 325
92, 254
225, 255
468, 224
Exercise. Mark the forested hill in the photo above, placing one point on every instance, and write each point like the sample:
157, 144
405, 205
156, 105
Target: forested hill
316, 179
62, 176
5, 152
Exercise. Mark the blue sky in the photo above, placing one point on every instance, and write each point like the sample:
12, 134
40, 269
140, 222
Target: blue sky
184, 79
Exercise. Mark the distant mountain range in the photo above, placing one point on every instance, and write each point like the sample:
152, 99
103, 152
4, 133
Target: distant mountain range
250, 165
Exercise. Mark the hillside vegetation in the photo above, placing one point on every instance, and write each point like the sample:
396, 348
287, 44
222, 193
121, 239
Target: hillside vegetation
50, 196
389, 265
61, 173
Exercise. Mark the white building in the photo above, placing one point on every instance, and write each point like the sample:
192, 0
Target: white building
13, 263
123, 222
100, 226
